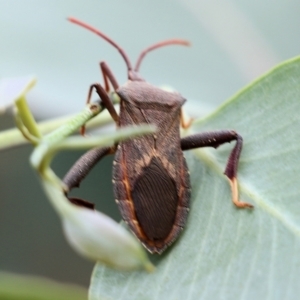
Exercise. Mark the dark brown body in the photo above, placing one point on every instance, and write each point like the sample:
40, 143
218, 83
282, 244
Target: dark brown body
150, 175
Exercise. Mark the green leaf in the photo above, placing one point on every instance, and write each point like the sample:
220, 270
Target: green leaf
17, 287
225, 252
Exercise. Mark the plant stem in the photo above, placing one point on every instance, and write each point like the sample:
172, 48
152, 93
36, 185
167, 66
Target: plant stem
27, 117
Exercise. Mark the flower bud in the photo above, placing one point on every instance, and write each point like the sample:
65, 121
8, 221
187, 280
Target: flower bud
97, 236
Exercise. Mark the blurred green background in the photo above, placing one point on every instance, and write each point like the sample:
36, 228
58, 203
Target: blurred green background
233, 42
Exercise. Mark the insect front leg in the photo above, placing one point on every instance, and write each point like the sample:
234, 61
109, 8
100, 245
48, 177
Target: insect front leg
102, 92
108, 75
185, 121
215, 139
81, 169
105, 100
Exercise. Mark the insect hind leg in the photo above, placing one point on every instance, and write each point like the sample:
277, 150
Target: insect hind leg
215, 139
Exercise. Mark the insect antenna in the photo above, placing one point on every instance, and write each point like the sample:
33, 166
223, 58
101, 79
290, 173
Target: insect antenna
158, 45
105, 37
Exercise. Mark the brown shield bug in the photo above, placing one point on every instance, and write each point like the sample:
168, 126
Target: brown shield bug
150, 176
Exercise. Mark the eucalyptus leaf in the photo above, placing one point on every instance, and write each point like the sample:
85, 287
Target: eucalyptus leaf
225, 252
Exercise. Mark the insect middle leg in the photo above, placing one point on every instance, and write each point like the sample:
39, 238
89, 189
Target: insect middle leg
81, 169
87, 161
215, 139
